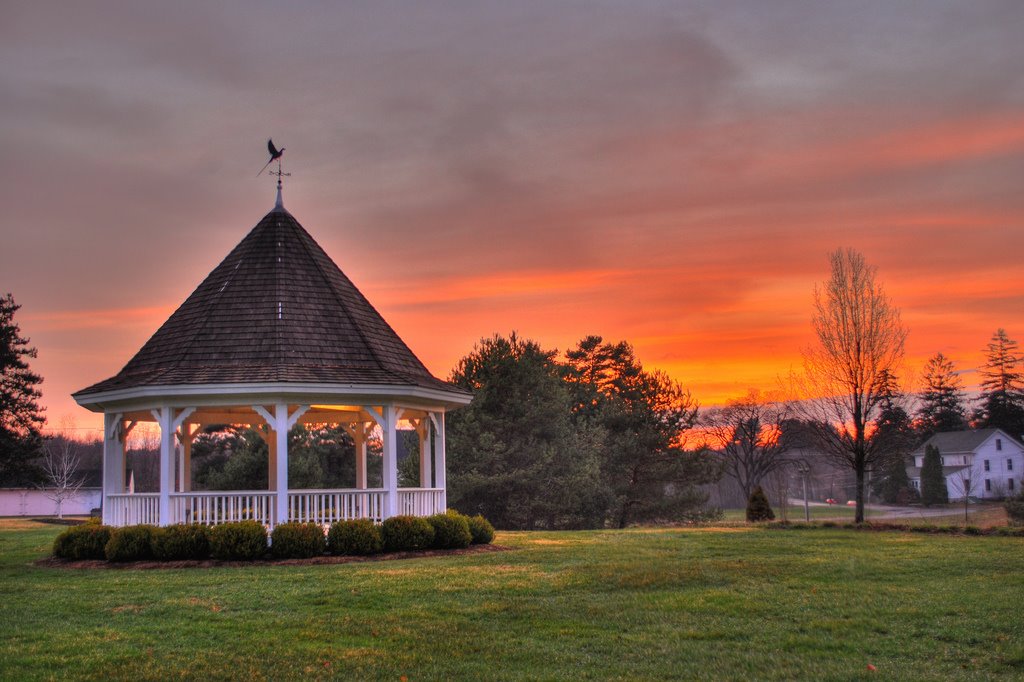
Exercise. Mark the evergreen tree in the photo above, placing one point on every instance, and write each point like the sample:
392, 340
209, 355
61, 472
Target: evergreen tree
933, 483
21, 416
513, 453
758, 508
942, 400
644, 416
893, 437
1002, 387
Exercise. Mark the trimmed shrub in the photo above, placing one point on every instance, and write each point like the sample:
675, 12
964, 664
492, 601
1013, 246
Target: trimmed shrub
131, 543
297, 540
82, 542
240, 541
451, 531
181, 541
405, 533
357, 537
481, 530
758, 508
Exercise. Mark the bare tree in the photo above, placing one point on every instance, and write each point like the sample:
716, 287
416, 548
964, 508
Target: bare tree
860, 343
750, 435
966, 482
61, 460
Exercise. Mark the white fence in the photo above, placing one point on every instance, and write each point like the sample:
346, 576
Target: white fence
318, 506
132, 509
38, 502
420, 501
211, 508
328, 506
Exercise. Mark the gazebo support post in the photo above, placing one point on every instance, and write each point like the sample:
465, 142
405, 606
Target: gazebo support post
281, 468
186, 435
440, 472
426, 476
387, 419
165, 417
359, 439
113, 461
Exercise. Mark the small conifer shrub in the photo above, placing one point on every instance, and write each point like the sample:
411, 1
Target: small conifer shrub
933, 482
297, 540
130, 543
357, 537
758, 508
406, 533
181, 541
240, 541
87, 541
451, 531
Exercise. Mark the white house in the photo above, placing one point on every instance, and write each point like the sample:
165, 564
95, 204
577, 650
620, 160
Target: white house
984, 463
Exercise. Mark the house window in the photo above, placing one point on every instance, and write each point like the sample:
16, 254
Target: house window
1010, 482
988, 485
999, 443
987, 467
915, 483
942, 461
1009, 465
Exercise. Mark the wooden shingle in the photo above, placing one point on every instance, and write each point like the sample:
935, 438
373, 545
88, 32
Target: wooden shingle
276, 309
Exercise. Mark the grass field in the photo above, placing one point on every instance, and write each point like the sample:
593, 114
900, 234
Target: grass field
731, 603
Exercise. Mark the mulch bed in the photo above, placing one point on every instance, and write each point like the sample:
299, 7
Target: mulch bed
53, 562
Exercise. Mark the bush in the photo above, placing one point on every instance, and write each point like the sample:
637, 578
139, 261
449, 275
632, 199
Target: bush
758, 508
451, 531
404, 533
181, 541
241, 541
481, 530
297, 540
82, 542
1015, 509
131, 543
356, 537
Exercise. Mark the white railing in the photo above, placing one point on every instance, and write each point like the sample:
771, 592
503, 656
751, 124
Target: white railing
328, 506
319, 506
420, 501
222, 507
132, 509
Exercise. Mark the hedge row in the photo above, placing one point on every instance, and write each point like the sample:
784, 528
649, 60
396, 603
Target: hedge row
248, 540
1006, 531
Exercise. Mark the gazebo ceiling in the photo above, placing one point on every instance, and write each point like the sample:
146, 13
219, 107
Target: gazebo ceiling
276, 312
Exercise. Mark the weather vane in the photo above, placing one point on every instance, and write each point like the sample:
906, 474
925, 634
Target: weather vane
275, 155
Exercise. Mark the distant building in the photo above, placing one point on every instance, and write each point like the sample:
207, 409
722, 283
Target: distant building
985, 463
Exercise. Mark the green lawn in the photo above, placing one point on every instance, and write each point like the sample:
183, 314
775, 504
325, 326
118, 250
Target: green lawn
733, 603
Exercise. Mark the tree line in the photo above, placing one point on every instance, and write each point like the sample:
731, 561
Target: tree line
592, 438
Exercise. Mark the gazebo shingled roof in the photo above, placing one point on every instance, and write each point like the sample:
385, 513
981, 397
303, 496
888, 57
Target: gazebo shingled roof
276, 309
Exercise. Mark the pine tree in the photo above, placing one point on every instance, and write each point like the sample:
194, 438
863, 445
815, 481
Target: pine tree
933, 483
20, 415
758, 508
1002, 387
893, 437
942, 400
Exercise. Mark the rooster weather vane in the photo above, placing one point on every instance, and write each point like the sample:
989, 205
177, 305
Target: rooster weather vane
275, 155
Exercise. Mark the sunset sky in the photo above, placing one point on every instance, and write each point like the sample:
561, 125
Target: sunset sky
669, 173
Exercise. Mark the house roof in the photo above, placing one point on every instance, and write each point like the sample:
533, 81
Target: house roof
276, 309
955, 442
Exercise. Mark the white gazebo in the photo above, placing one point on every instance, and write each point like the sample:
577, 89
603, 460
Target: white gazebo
275, 336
